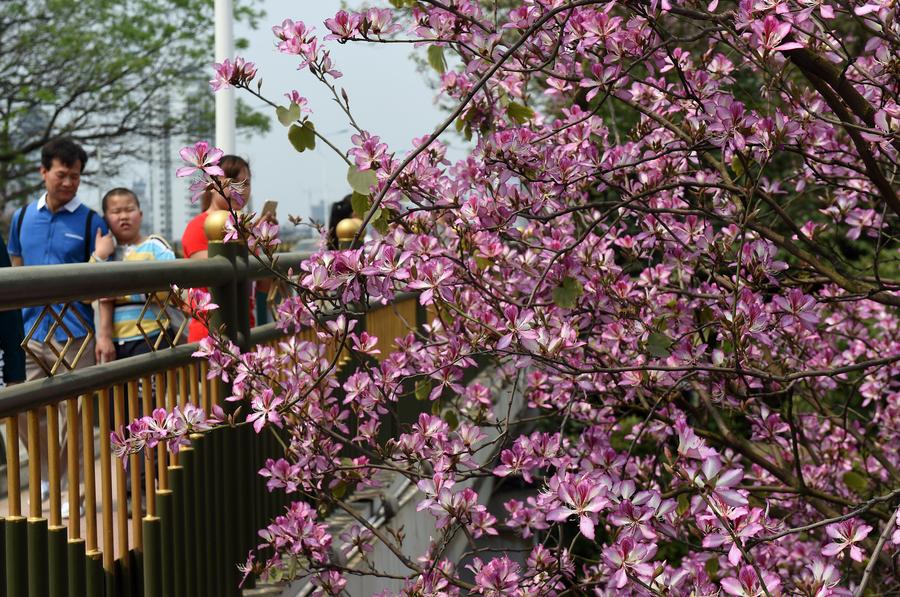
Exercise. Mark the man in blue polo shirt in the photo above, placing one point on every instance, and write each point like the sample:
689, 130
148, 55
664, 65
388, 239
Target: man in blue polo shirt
57, 229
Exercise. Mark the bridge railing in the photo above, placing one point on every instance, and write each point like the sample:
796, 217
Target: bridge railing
167, 524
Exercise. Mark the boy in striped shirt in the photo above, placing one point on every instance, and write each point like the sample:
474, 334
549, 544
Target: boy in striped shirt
118, 329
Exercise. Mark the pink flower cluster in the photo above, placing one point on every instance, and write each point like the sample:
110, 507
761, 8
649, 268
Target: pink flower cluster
232, 74
371, 22
656, 302
172, 429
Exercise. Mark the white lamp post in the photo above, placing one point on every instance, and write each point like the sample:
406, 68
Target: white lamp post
225, 110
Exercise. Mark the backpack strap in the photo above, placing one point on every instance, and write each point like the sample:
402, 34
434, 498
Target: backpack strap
19, 224
87, 234
160, 240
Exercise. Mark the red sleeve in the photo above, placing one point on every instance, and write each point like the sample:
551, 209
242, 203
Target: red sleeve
194, 238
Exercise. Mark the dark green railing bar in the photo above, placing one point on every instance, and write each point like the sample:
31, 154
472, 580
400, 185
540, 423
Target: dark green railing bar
16, 556
242, 295
48, 284
216, 504
37, 557
176, 482
95, 576
2, 557
57, 561
233, 317
118, 579
151, 529
137, 572
247, 496
209, 517
230, 502
167, 572
196, 499
187, 457
225, 294
76, 564
113, 579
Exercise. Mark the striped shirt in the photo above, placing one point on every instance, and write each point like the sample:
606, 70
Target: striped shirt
128, 308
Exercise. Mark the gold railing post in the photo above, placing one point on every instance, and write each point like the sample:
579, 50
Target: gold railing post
346, 230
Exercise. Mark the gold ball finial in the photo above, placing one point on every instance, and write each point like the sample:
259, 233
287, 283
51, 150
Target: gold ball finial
214, 227
347, 229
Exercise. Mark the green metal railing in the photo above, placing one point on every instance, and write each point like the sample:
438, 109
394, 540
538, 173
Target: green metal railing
184, 527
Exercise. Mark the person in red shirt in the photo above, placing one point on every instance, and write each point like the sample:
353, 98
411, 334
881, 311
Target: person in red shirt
194, 243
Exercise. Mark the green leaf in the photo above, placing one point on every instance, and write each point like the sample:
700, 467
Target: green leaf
423, 389
340, 490
361, 181
518, 113
287, 116
712, 567
737, 166
45, 95
302, 137
567, 294
436, 59
856, 482
381, 220
483, 262
451, 419
360, 203
658, 345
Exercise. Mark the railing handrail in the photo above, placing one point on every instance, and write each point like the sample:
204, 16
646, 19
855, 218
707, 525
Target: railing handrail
50, 284
42, 392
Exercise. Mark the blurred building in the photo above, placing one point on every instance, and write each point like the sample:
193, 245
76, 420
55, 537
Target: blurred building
139, 186
318, 213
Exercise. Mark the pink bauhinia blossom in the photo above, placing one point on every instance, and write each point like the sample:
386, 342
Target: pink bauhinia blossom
230, 74
497, 578
343, 25
628, 557
202, 158
770, 33
584, 498
378, 21
748, 584
264, 410
846, 535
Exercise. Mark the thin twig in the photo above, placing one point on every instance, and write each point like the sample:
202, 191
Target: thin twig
870, 567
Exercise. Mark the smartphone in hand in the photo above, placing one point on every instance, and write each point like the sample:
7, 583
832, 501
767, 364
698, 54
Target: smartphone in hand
268, 210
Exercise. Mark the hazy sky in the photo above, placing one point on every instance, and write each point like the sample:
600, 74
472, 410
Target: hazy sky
388, 96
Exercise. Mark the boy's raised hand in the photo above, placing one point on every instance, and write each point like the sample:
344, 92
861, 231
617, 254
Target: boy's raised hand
104, 245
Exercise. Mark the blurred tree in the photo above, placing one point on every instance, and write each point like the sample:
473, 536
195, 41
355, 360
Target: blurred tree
98, 71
